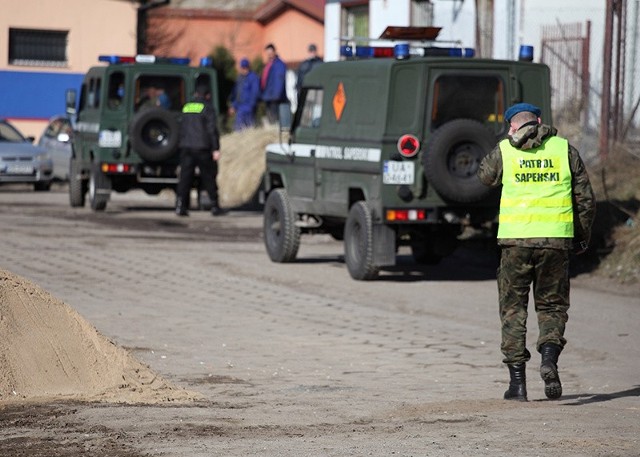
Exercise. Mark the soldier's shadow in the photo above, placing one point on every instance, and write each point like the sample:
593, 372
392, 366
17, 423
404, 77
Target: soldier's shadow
580, 400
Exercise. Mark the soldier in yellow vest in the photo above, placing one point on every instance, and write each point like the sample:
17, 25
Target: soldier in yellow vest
547, 208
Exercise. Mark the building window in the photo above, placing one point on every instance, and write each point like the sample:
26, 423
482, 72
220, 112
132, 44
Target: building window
355, 23
38, 47
421, 13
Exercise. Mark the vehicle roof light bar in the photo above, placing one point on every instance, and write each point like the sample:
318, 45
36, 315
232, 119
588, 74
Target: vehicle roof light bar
403, 51
142, 58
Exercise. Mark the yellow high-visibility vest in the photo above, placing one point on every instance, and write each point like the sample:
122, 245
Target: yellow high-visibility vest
536, 191
193, 108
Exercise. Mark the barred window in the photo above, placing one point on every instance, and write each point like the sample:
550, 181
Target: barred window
38, 47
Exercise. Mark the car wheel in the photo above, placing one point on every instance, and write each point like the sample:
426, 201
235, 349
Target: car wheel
154, 134
281, 234
99, 188
452, 158
358, 242
77, 186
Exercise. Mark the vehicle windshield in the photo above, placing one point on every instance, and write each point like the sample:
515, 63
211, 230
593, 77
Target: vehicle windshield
9, 133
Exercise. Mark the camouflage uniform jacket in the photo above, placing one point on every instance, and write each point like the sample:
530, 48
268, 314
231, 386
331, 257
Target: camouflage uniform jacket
529, 137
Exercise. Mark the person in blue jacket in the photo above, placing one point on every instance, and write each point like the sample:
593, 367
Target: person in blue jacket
244, 97
272, 83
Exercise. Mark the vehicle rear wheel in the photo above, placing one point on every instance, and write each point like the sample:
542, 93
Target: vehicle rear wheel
99, 188
453, 156
42, 186
281, 234
358, 242
77, 186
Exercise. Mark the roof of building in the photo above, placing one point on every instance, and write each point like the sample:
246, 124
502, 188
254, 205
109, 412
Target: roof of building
273, 8
262, 11
220, 5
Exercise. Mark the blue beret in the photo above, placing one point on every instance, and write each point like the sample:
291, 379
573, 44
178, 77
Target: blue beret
244, 63
519, 108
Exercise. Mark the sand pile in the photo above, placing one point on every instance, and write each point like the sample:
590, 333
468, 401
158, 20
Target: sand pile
48, 351
242, 164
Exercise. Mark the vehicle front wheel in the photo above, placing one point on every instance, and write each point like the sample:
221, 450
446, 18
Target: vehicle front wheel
99, 188
77, 186
358, 242
281, 234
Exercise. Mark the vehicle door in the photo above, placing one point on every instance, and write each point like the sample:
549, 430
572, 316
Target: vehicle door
302, 150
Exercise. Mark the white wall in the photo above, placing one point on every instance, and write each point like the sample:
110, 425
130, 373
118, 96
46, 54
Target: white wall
457, 20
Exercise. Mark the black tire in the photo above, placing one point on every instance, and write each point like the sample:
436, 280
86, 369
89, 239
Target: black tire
281, 234
453, 155
77, 186
42, 186
358, 243
431, 248
154, 134
99, 189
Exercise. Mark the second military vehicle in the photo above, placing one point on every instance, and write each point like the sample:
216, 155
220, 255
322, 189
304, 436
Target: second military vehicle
126, 130
383, 152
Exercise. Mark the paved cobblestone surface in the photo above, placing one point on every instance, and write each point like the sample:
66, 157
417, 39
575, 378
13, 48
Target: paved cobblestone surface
298, 359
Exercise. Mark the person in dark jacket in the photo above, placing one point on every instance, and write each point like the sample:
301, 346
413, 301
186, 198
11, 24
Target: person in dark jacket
547, 208
199, 146
306, 66
244, 97
273, 83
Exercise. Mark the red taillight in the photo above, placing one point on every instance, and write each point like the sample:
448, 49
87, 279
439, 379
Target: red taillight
116, 168
382, 52
408, 145
406, 215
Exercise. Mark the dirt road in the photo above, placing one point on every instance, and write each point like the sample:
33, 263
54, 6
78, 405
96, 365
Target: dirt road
298, 359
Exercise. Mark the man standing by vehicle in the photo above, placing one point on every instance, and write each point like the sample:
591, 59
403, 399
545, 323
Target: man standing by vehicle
272, 83
244, 97
306, 66
199, 146
547, 208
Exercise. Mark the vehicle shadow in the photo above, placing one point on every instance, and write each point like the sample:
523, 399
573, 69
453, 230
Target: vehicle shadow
598, 398
476, 261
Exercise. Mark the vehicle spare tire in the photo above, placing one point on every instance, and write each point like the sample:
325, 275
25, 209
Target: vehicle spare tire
154, 134
452, 158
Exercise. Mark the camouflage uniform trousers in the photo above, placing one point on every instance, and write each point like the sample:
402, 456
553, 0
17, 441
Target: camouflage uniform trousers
548, 270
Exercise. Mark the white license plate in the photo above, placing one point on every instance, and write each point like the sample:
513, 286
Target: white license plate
394, 172
109, 139
19, 169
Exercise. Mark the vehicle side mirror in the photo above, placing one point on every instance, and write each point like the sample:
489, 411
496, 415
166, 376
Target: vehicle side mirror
70, 99
284, 115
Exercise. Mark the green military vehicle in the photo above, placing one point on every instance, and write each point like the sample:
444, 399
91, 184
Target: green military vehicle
383, 152
127, 125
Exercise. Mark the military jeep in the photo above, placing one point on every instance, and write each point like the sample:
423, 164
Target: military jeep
127, 125
383, 152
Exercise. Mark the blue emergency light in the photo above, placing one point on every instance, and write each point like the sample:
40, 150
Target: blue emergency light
526, 53
206, 61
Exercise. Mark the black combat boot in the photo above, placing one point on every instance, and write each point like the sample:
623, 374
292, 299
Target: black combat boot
549, 370
518, 384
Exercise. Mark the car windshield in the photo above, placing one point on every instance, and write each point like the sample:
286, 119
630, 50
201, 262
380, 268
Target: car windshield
9, 133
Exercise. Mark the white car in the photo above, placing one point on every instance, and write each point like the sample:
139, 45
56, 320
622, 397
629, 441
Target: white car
21, 161
56, 138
